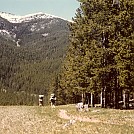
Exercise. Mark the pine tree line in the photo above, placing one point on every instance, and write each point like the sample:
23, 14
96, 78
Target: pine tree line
100, 58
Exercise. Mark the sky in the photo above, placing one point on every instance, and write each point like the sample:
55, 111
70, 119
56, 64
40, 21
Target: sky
62, 8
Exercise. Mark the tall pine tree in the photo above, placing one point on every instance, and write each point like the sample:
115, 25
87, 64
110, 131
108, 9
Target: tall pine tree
101, 54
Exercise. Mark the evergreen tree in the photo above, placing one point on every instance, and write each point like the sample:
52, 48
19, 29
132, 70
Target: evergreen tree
101, 55
84, 52
124, 46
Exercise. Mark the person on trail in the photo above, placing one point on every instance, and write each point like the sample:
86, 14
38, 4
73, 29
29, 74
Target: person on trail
41, 100
53, 100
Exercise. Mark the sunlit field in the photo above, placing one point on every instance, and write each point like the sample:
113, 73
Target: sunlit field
64, 120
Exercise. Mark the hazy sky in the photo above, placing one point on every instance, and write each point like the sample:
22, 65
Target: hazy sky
62, 8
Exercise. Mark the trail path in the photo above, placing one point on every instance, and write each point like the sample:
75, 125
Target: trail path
63, 114
29, 120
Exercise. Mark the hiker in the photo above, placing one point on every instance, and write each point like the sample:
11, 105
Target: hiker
41, 100
53, 100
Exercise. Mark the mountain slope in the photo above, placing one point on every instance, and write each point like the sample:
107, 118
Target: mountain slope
31, 53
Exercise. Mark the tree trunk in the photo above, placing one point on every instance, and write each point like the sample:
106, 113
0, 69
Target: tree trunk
83, 98
125, 100
115, 102
92, 100
103, 97
116, 92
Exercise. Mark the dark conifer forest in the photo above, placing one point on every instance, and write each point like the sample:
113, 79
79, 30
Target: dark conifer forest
100, 58
29, 69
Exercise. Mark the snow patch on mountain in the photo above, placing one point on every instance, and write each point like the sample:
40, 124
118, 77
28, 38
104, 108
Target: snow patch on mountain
17, 43
40, 26
10, 17
4, 32
7, 33
26, 18
45, 34
33, 27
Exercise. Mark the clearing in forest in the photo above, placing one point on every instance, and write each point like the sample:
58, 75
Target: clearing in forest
64, 120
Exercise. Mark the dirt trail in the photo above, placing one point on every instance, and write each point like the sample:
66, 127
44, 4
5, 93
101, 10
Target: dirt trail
63, 114
26, 120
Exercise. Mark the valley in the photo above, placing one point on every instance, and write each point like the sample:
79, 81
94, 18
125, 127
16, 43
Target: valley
32, 49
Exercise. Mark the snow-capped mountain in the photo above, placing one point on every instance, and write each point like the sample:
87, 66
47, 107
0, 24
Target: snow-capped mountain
26, 18
31, 51
32, 27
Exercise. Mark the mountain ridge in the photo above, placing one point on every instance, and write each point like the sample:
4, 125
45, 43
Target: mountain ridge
14, 27
26, 18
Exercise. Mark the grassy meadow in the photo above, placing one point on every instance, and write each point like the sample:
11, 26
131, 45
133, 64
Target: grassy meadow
64, 120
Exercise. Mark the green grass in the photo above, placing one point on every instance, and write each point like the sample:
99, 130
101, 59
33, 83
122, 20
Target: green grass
46, 120
110, 121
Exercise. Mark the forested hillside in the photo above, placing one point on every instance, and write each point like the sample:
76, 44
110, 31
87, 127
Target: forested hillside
29, 69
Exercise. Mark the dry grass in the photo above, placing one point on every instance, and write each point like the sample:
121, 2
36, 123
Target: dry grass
44, 120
